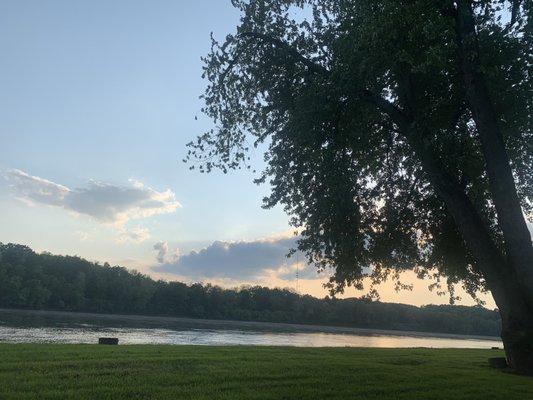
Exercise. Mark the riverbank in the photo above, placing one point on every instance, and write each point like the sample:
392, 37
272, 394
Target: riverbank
201, 372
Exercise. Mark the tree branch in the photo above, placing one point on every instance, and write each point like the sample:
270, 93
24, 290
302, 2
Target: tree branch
515, 8
394, 112
311, 66
385, 106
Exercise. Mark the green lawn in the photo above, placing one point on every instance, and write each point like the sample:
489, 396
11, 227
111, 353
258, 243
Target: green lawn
186, 372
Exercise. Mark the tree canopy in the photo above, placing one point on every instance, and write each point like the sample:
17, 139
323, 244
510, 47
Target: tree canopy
366, 115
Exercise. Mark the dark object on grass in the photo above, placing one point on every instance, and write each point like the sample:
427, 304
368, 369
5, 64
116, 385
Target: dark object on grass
108, 340
495, 348
498, 362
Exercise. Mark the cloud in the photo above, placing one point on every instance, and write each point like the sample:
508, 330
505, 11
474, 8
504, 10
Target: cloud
135, 235
162, 250
163, 254
106, 203
302, 269
33, 189
234, 260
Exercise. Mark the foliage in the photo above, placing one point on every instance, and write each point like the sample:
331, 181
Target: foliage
318, 81
44, 281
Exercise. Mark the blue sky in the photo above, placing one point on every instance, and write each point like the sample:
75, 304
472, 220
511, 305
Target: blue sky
108, 92
97, 102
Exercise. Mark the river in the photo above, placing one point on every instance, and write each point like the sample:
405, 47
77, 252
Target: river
18, 326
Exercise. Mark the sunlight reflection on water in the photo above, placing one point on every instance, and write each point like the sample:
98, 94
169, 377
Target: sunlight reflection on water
90, 334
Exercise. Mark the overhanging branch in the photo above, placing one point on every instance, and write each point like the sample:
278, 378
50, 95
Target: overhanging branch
311, 66
382, 104
394, 112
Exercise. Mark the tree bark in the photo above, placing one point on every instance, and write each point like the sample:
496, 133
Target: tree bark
517, 336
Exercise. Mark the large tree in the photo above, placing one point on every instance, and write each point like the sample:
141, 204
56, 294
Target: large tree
399, 137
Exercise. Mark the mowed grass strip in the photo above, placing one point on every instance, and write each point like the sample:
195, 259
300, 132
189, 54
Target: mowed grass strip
198, 372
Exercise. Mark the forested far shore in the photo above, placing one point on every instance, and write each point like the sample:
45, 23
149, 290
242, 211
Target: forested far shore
29, 280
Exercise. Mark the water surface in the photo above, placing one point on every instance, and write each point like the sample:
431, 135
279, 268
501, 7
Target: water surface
56, 327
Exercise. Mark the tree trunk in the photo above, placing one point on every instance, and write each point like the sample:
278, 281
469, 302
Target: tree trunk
508, 278
506, 285
511, 220
517, 334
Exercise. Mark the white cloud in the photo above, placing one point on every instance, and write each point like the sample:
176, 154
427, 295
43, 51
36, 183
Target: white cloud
106, 203
163, 253
33, 189
243, 260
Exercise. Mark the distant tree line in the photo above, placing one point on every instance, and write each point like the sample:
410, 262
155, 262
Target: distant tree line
44, 281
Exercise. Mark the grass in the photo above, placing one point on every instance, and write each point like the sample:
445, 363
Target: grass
197, 372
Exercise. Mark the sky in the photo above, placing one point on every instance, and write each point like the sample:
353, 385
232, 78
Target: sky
98, 100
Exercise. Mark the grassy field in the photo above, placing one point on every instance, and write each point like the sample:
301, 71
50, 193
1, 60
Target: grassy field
186, 372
